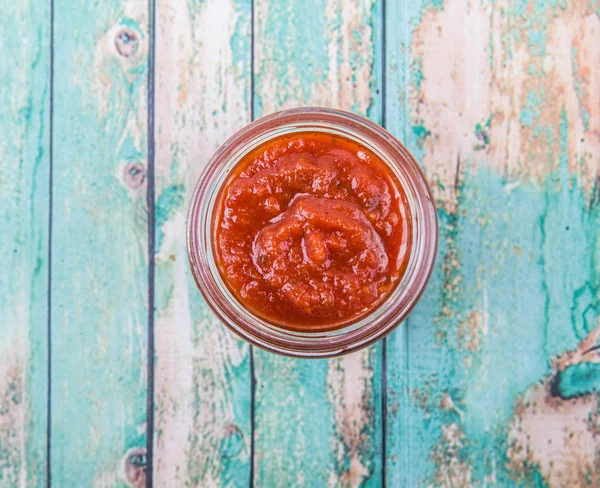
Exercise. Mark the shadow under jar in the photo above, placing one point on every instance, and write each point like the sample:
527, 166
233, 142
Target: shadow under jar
312, 233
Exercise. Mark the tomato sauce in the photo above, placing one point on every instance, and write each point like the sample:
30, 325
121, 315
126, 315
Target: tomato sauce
312, 231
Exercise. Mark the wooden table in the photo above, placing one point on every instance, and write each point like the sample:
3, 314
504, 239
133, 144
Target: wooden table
112, 369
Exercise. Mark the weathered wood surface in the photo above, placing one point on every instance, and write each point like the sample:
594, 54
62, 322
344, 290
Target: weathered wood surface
318, 423
501, 103
202, 372
492, 381
99, 243
24, 180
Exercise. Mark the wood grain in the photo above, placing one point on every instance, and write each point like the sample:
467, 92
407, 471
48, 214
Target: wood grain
494, 381
24, 196
318, 423
202, 371
99, 244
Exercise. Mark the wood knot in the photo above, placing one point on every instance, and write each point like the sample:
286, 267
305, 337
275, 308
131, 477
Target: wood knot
135, 466
134, 175
126, 42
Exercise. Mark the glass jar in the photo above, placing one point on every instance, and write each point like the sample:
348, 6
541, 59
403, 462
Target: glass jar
371, 327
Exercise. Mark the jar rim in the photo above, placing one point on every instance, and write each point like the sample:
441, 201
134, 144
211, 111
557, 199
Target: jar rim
368, 328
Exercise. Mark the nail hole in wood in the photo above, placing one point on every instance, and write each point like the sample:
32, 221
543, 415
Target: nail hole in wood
135, 468
126, 42
134, 175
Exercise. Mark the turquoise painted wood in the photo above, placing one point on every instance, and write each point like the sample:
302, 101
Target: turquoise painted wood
99, 244
318, 423
24, 180
202, 372
494, 378
498, 101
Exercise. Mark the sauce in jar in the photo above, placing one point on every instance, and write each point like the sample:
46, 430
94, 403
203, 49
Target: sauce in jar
312, 231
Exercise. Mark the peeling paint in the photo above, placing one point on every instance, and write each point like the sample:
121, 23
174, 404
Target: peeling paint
496, 90
556, 426
337, 75
503, 106
452, 469
14, 421
202, 371
470, 330
556, 62
556, 436
349, 383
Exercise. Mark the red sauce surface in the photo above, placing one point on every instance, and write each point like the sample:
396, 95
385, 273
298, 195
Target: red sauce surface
312, 231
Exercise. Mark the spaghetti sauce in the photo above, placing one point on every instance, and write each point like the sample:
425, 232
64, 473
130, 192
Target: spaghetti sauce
312, 231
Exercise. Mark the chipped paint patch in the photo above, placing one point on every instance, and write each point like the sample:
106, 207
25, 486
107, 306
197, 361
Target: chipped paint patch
14, 419
470, 330
349, 381
586, 351
556, 432
452, 469
535, 58
453, 89
558, 437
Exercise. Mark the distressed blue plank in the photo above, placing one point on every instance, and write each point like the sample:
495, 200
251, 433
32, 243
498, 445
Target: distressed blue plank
400, 20
24, 195
202, 371
318, 423
99, 242
483, 94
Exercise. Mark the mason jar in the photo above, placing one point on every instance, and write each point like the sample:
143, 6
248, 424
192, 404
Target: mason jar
357, 334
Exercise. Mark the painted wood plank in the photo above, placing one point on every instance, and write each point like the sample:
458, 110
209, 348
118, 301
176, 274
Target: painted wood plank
24, 194
494, 382
99, 244
318, 423
202, 399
